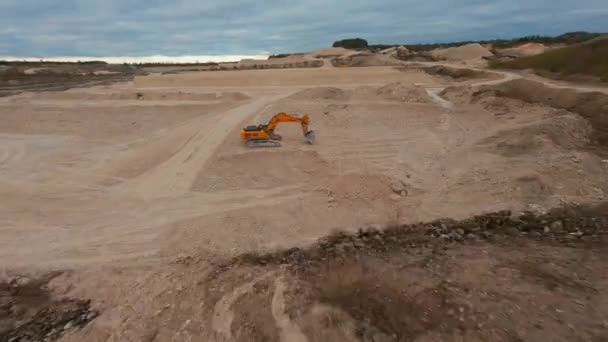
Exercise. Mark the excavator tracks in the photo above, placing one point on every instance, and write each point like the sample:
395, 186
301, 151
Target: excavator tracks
256, 143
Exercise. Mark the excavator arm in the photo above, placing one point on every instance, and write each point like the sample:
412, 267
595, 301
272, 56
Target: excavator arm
264, 136
286, 117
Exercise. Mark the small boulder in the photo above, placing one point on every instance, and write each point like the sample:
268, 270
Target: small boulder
399, 188
557, 227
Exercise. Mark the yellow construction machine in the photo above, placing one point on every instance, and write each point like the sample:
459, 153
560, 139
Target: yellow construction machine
264, 136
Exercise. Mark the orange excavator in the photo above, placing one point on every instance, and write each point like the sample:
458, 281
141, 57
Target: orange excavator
264, 136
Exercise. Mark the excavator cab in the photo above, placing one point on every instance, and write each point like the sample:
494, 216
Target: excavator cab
263, 135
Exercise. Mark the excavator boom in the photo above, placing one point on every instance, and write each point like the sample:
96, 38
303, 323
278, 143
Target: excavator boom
264, 136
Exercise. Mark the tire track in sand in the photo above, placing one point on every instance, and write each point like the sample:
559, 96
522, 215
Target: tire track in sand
289, 330
175, 176
221, 322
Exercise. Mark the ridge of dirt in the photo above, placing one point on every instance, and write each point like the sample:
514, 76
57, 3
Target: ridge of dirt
458, 74
441, 280
398, 91
593, 106
566, 225
150, 95
406, 282
395, 91
462, 53
528, 49
322, 93
331, 52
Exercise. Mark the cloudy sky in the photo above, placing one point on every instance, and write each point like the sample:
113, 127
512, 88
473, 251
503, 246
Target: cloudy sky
223, 27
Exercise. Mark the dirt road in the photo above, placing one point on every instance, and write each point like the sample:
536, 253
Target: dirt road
175, 176
506, 76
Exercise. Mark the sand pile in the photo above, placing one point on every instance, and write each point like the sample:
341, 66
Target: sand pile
389, 51
459, 74
462, 53
463, 95
282, 60
529, 49
356, 188
569, 131
395, 51
331, 52
401, 92
402, 52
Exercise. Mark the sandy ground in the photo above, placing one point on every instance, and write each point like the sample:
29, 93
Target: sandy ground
110, 182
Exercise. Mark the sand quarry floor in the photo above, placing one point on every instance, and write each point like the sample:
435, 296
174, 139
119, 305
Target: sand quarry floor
135, 192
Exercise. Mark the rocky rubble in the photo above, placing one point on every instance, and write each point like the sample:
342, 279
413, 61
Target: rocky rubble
572, 224
29, 313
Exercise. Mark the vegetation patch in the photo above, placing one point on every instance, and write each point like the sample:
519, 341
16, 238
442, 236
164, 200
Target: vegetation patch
588, 59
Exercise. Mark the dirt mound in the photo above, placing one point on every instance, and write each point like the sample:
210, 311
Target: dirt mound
592, 106
359, 188
322, 93
569, 131
402, 52
589, 220
458, 94
28, 312
462, 53
331, 52
529, 49
401, 92
494, 104
459, 74
388, 51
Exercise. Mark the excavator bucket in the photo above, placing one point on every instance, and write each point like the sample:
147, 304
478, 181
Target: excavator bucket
310, 137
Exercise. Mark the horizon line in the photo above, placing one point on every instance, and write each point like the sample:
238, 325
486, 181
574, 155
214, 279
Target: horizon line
136, 59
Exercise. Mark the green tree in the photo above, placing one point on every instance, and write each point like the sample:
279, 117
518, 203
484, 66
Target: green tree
352, 43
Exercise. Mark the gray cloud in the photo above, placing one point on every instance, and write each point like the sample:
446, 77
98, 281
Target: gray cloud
140, 27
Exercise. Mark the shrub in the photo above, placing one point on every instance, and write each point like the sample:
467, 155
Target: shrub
352, 43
